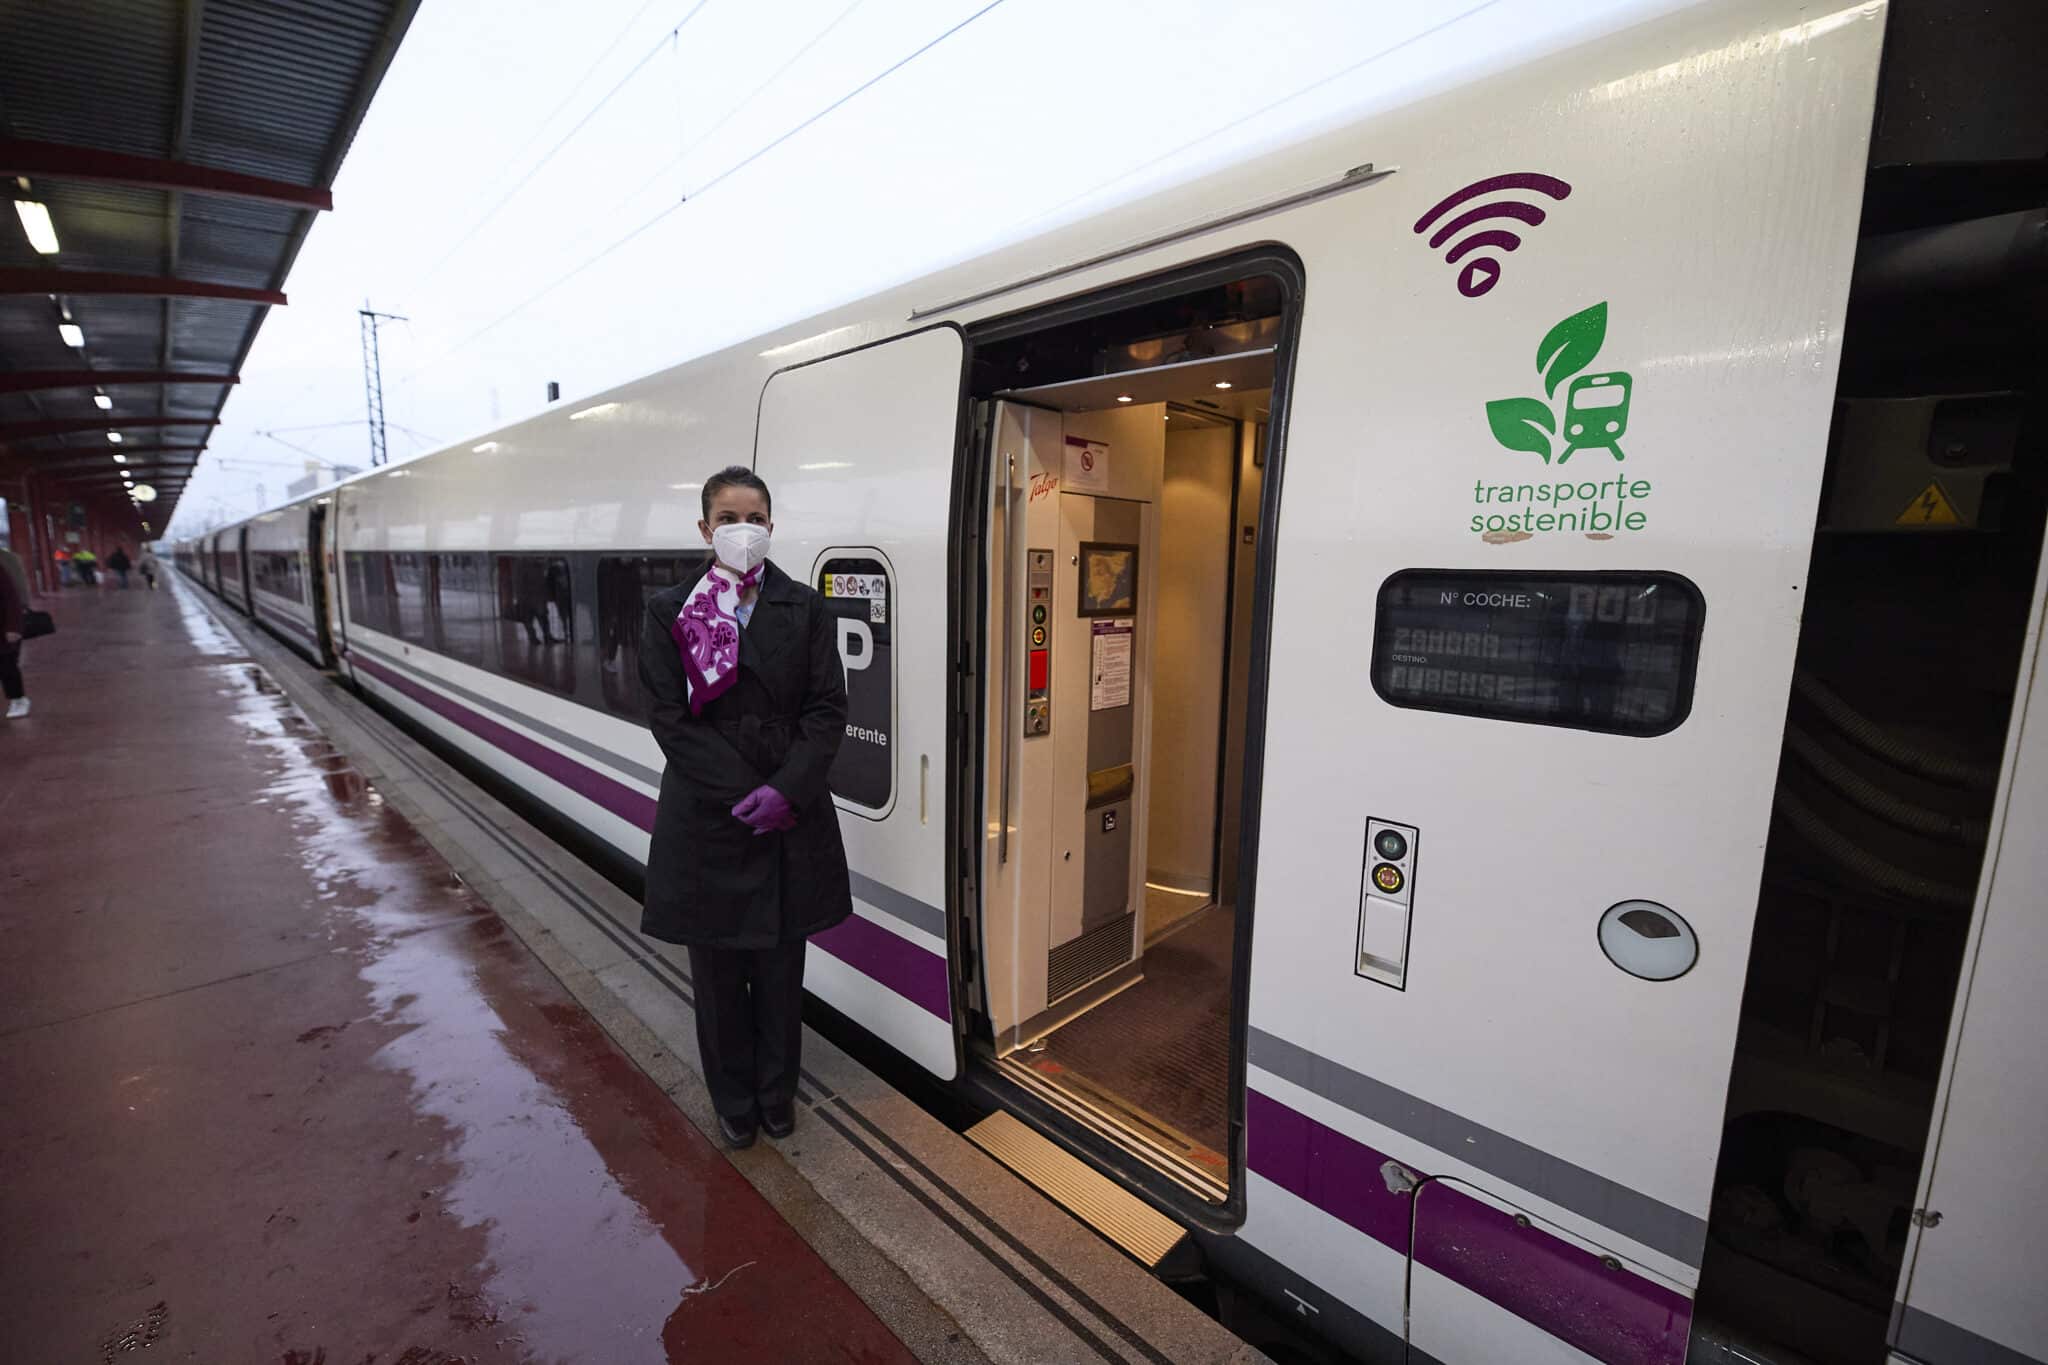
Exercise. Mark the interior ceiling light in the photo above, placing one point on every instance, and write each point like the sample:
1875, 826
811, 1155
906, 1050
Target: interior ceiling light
119, 458
73, 334
104, 403
35, 221
113, 438
1223, 383
1123, 398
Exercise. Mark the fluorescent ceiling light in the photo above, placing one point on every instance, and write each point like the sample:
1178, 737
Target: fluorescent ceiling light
104, 403
827, 464
119, 458
598, 411
1223, 383
113, 438
73, 334
1123, 398
35, 221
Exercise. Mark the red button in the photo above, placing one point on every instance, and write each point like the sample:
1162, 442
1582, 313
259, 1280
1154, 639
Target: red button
1040, 669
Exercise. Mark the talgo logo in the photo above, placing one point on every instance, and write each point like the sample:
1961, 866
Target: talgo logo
1593, 416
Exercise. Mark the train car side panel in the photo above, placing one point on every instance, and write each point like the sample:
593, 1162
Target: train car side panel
1435, 427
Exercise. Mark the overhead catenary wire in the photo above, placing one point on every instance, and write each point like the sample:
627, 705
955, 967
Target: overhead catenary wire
703, 189
666, 40
864, 86
744, 101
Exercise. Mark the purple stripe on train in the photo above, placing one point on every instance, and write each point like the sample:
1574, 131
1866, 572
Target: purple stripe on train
276, 617
631, 806
904, 967
1566, 1290
1611, 1314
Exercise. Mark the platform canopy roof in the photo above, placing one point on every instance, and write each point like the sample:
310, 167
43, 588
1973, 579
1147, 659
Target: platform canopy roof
181, 150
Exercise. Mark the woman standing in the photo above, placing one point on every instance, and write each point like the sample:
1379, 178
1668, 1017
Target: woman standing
748, 699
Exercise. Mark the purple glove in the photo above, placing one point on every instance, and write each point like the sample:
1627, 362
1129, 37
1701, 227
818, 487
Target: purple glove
767, 810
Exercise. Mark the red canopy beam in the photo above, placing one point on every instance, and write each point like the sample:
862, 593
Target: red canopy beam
67, 426
41, 280
38, 381
64, 161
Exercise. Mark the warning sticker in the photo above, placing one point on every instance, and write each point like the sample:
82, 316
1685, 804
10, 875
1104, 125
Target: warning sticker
1930, 508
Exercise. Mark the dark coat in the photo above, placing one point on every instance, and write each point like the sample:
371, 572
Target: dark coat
711, 881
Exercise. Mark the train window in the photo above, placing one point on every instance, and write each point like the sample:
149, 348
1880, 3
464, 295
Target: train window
1613, 652
371, 592
859, 592
278, 573
535, 621
465, 602
624, 585
411, 599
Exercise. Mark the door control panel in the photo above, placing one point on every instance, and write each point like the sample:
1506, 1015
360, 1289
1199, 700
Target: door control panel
1038, 643
1386, 902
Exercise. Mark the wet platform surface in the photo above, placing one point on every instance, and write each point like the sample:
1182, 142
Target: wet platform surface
281, 1088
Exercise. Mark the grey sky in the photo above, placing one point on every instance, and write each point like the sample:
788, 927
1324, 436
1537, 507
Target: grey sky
515, 190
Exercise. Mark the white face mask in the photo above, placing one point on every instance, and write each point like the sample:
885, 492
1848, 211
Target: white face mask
740, 546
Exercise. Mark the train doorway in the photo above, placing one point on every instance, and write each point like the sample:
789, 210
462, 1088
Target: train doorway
1124, 524
318, 568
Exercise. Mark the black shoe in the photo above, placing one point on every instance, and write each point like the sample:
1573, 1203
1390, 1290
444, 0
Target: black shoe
738, 1133
779, 1119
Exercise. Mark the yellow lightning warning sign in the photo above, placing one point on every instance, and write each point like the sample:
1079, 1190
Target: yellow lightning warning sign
1930, 508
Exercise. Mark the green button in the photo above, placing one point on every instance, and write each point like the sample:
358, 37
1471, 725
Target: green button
1038, 616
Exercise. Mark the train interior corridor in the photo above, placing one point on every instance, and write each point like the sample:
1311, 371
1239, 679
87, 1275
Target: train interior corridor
1123, 525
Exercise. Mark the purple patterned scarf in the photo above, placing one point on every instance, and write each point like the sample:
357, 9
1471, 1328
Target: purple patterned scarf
707, 633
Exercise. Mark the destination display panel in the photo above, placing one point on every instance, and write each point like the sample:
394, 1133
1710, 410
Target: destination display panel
1613, 652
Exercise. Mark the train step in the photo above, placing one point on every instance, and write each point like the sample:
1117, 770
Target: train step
1144, 1233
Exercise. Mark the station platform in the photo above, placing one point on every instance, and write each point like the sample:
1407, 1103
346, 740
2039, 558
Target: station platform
315, 1053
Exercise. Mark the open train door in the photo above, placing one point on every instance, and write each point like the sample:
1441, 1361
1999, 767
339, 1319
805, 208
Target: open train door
858, 450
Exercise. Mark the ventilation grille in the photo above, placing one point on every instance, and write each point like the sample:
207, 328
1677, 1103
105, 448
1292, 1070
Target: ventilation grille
1079, 961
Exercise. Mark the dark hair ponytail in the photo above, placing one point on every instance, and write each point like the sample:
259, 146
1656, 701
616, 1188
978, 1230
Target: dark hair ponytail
736, 476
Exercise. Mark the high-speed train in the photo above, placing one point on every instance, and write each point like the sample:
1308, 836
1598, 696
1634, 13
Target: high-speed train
1455, 707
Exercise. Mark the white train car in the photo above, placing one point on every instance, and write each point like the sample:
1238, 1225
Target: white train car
1375, 674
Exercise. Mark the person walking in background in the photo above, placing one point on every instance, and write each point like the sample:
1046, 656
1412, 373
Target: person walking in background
120, 564
88, 566
13, 613
747, 699
147, 565
66, 575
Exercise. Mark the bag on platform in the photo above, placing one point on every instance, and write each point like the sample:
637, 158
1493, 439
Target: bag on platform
35, 623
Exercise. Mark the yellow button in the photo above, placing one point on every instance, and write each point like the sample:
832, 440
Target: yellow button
1388, 878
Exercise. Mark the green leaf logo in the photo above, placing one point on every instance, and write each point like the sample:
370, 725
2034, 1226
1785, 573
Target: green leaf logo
1570, 347
1522, 424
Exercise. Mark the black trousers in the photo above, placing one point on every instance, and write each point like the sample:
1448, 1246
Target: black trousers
10, 671
750, 1024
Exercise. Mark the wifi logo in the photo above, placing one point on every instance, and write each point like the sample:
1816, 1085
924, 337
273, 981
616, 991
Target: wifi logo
1482, 273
